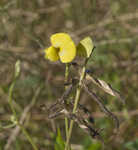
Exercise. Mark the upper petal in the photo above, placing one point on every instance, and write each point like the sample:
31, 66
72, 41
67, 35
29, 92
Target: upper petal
60, 39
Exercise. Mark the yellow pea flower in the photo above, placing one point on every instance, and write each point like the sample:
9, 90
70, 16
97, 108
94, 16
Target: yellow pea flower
63, 48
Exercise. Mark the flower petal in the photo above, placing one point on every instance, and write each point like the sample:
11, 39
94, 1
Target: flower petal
67, 52
60, 39
51, 53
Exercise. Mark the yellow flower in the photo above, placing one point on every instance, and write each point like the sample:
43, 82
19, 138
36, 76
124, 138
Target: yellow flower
63, 48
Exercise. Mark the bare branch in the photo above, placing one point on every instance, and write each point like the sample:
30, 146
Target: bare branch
103, 108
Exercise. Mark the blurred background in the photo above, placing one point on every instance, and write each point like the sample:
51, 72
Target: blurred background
25, 29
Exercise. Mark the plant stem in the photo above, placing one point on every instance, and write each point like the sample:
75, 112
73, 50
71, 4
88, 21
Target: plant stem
8, 126
27, 136
15, 116
66, 79
16, 121
66, 72
10, 98
77, 97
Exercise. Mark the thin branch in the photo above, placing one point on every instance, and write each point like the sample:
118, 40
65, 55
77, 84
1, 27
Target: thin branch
54, 8
16, 130
38, 116
102, 23
123, 40
103, 108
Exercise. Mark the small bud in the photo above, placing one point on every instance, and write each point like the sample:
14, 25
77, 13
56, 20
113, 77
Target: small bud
13, 119
17, 68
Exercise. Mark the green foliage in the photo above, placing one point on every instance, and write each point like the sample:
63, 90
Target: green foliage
91, 145
4, 88
29, 81
2, 143
18, 144
132, 145
59, 143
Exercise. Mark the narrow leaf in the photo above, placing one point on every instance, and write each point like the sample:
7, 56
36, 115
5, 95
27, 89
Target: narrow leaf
59, 145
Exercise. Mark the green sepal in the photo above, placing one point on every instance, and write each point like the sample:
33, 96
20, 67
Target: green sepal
85, 47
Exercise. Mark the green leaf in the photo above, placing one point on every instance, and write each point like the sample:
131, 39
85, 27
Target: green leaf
59, 145
95, 146
91, 144
85, 47
132, 145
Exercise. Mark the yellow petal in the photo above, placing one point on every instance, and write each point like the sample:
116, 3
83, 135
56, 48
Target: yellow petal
51, 53
60, 39
67, 52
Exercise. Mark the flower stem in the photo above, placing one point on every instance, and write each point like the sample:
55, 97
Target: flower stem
66, 72
66, 79
77, 97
